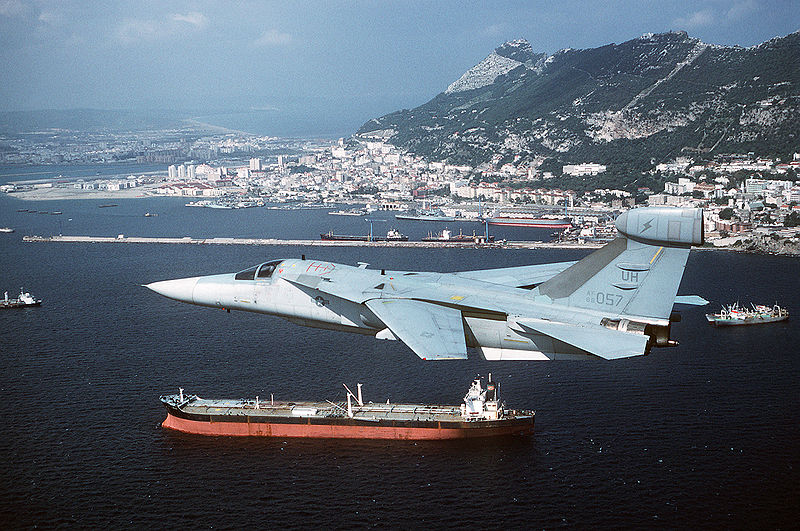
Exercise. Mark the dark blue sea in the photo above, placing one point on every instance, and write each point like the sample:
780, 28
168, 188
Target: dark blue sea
703, 435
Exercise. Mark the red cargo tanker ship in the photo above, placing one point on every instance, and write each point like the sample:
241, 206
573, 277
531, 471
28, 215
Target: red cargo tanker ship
481, 415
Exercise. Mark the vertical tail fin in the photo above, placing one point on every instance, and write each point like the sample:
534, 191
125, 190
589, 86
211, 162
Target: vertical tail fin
637, 275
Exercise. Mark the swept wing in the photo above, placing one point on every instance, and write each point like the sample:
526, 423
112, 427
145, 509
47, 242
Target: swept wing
433, 332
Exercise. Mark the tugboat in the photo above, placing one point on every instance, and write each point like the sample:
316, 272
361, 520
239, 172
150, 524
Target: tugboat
481, 415
23, 301
733, 315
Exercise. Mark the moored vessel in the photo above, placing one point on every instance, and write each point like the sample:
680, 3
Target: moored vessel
24, 300
734, 315
481, 415
350, 212
447, 236
392, 235
543, 222
425, 215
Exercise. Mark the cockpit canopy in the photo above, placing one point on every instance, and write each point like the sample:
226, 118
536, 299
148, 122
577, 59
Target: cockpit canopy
258, 272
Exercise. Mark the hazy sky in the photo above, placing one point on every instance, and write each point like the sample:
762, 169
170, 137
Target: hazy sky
344, 62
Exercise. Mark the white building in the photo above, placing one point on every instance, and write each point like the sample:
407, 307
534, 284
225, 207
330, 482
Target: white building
587, 168
255, 164
792, 194
173, 172
683, 186
679, 165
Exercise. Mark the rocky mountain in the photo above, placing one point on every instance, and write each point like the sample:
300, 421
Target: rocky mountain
628, 105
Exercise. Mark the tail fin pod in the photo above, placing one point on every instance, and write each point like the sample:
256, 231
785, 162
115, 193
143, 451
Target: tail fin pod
638, 273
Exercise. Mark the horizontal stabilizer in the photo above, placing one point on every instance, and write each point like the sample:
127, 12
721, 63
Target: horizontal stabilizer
692, 300
518, 276
433, 332
597, 340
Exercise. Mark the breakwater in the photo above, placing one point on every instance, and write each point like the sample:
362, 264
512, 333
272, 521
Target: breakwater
187, 240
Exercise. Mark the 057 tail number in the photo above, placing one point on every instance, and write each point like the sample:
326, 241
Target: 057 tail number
603, 299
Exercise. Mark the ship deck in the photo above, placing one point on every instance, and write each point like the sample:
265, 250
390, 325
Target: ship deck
368, 412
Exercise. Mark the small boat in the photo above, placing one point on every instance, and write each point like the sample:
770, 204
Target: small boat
734, 315
108, 205
23, 301
150, 215
6, 229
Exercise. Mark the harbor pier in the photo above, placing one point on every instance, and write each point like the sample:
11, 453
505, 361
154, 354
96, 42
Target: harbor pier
187, 240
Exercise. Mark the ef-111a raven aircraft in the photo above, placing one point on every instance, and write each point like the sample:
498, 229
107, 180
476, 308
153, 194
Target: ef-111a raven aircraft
614, 303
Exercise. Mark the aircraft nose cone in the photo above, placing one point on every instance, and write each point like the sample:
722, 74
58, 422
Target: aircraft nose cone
180, 289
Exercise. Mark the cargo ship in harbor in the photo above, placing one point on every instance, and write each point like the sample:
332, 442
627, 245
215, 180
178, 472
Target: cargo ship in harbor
24, 300
734, 315
392, 235
481, 415
543, 222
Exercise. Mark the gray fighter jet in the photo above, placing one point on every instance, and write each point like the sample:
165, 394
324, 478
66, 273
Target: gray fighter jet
614, 303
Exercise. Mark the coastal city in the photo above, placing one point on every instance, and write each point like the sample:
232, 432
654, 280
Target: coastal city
751, 203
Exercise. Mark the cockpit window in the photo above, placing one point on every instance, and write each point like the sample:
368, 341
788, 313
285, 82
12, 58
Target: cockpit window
247, 274
262, 271
268, 268
266, 271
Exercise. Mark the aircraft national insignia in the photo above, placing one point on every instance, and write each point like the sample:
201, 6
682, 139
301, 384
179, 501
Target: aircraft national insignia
647, 224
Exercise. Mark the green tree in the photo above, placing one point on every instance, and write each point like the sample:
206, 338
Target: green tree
792, 220
726, 213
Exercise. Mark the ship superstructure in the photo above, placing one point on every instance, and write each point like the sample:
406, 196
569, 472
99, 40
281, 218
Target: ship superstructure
24, 300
